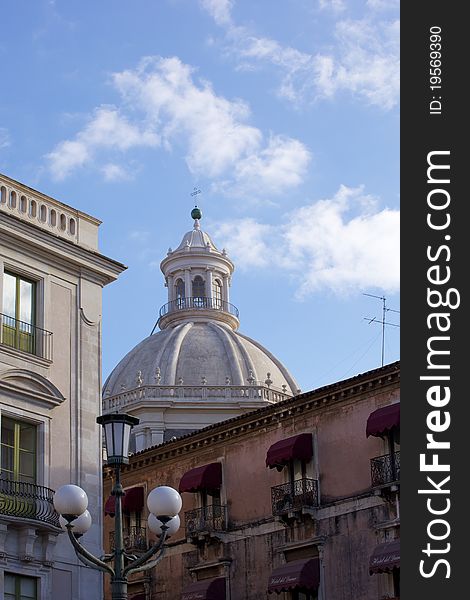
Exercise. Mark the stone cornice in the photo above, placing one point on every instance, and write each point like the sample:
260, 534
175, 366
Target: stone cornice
41, 196
17, 232
324, 397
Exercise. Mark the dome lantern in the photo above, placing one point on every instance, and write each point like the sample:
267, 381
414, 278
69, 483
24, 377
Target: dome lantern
197, 275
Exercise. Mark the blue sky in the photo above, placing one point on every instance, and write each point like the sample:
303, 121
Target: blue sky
284, 114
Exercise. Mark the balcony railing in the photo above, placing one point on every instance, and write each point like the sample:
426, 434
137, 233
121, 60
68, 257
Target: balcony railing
135, 539
25, 337
385, 469
294, 496
198, 302
207, 519
27, 501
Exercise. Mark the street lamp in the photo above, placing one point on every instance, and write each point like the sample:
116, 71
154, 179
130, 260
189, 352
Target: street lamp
164, 503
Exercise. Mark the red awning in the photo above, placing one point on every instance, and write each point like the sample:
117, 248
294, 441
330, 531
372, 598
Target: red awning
299, 446
385, 557
208, 477
109, 507
298, 574
133, 501
383, 420
207, 589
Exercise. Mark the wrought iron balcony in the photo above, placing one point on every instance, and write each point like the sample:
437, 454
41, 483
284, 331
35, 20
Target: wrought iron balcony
198, 302
25, 337
207, 519
27, 501
385, 470
294, 496
135, 539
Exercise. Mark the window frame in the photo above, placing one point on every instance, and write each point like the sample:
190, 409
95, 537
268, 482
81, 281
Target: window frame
17, 583
15, 471
217, 291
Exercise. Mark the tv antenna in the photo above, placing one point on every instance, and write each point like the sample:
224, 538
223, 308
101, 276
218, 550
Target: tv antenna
383, 322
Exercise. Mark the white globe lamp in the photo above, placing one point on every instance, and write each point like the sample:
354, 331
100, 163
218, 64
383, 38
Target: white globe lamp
70, 501
164, 502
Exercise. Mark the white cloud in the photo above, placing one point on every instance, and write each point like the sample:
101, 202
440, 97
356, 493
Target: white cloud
244, 241
4, 138
220, 10
106, 129
279, 166
362, 60
213, 128
334, 5
114, 172
344, 244
173, 109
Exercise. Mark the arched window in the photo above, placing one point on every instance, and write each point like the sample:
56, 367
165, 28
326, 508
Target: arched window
32, 208
179, 293
198, 291
217, 294
43, 213
12, 202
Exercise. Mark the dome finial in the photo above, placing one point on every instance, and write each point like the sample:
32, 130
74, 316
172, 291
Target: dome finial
196, 213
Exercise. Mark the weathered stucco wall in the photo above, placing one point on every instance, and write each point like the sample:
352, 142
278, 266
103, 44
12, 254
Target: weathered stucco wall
343, 530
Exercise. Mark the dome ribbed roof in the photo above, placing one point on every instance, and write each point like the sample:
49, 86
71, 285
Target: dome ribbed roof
195, 239
191, 351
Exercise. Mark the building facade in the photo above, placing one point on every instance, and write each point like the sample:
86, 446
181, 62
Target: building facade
51, 280
298, 500
198, 369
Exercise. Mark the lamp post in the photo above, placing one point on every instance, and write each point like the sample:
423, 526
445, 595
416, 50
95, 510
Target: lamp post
164, 503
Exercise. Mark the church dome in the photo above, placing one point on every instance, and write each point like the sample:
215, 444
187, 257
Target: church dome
195, 353
198, 369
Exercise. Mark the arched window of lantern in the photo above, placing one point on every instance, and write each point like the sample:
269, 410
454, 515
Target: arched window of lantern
63, 222
3, 195
23, 204
217, 294
72, 227
198, 289
52, 217
12, 199
180, 293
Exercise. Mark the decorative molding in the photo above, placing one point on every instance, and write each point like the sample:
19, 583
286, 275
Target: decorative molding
24, 384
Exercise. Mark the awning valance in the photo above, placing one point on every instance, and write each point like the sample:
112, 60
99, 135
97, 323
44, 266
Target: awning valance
109, 508
133, 501
383, 420
385, 557
207, 477
207, 589
298, 574
299, 446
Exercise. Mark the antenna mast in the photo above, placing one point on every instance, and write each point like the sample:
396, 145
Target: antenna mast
383, 322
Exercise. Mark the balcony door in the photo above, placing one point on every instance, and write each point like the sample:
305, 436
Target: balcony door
18, 467
18, 318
